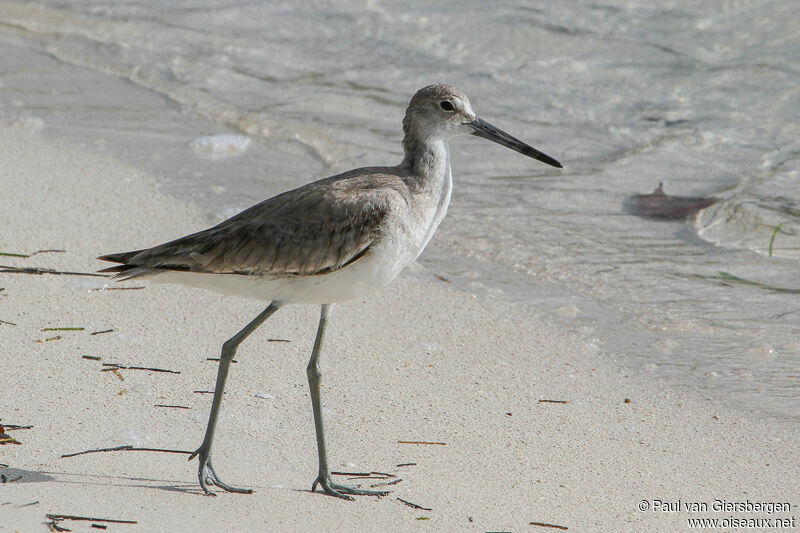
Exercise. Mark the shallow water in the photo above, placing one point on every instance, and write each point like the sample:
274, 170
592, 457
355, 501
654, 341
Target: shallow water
702, 96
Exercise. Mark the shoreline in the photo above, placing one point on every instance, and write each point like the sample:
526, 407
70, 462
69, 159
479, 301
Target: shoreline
431, 364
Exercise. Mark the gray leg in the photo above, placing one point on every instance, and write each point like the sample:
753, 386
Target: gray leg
206, 470
314, 376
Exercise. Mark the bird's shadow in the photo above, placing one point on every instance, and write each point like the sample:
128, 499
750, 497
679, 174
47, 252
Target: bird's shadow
18, 475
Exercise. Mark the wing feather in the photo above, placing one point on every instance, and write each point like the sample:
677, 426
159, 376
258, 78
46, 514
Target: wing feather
315, 229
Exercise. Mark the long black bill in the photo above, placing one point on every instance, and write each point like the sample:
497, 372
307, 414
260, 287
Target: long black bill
481, 128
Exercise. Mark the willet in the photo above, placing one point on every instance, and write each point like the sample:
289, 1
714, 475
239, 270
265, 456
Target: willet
335, 239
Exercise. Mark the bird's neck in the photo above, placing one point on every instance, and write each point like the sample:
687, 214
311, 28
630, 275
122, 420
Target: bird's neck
428, 160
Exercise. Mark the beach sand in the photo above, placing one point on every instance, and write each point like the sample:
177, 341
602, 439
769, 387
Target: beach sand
420, 361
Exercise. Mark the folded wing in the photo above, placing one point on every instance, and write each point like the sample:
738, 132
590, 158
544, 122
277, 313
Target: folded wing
314, 229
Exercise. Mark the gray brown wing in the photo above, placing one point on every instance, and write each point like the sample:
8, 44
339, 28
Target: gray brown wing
314, 229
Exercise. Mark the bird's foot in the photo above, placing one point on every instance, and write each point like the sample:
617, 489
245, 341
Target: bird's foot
343, 491
208, 476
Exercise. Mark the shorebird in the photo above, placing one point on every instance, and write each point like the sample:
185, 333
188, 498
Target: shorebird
335, 239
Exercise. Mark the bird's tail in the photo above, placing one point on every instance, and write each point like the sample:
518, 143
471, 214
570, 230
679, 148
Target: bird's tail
125, 269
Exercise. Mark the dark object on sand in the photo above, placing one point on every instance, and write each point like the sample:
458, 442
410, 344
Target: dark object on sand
664, 206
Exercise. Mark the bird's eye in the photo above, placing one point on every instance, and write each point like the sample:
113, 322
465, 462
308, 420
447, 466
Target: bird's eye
447, 105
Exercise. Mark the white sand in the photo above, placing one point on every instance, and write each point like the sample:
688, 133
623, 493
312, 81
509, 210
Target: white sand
420, 361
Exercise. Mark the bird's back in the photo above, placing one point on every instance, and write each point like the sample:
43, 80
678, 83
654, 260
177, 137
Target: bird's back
312, 230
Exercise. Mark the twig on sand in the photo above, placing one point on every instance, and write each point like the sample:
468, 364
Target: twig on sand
115, 366
5, 322
544, 524
48, 339
55, 527
150, 369
387, 483
172, 406
553, 401
39, 271
373, 475
37, 252
101, 332
5, 439
59, 517
420, 442
126, 448
103, 289
414, 505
